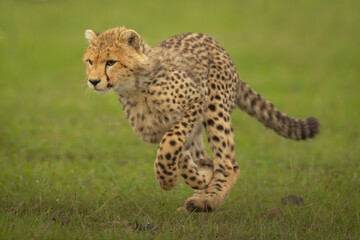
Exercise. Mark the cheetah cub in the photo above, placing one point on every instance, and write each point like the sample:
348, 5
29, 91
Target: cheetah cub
170, 92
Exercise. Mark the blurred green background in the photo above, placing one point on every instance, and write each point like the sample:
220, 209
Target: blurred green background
63, 148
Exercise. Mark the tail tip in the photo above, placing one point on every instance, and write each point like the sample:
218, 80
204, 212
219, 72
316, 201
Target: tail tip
314, 126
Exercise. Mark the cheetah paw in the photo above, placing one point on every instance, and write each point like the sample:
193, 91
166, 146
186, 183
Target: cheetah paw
201, 204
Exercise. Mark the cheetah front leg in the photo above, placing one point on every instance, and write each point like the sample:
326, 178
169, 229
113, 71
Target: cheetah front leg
226, 171
172, 145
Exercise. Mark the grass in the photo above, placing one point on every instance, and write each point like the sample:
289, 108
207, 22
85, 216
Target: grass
71, 168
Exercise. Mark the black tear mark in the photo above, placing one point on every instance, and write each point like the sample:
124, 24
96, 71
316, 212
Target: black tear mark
107, 77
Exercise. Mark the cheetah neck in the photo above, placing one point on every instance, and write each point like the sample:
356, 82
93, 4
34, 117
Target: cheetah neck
138, 85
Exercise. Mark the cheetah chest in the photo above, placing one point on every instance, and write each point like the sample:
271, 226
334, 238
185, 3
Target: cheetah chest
147, 121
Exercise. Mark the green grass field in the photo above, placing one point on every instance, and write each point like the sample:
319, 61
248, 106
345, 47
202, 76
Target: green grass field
71, 167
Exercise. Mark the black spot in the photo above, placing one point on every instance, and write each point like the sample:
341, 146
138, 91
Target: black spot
246, 95
221, 180
167, 173
161, 165
168, 156
253, 102
172, 143
263, 106
210, 122
216, 138
220, 127
212, 107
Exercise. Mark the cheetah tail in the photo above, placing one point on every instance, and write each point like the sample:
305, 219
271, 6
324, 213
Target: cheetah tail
264, 111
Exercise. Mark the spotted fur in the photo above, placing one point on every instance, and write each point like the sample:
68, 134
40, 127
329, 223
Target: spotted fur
170, 93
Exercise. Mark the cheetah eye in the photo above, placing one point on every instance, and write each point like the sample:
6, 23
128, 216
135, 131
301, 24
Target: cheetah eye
90, 62
110, 62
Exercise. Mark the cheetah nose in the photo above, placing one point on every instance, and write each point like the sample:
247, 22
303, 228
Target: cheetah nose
94, 81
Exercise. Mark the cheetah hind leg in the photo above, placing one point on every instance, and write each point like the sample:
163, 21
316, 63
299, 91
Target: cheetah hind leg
206, 166
225, 167
197, 174
199, 155
195, 165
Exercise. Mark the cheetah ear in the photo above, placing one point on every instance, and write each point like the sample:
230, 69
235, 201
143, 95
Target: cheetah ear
132, 38
90, 35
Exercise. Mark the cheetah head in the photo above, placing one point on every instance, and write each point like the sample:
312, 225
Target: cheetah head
115, 60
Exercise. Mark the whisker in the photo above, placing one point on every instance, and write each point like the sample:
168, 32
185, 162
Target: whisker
87, 91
